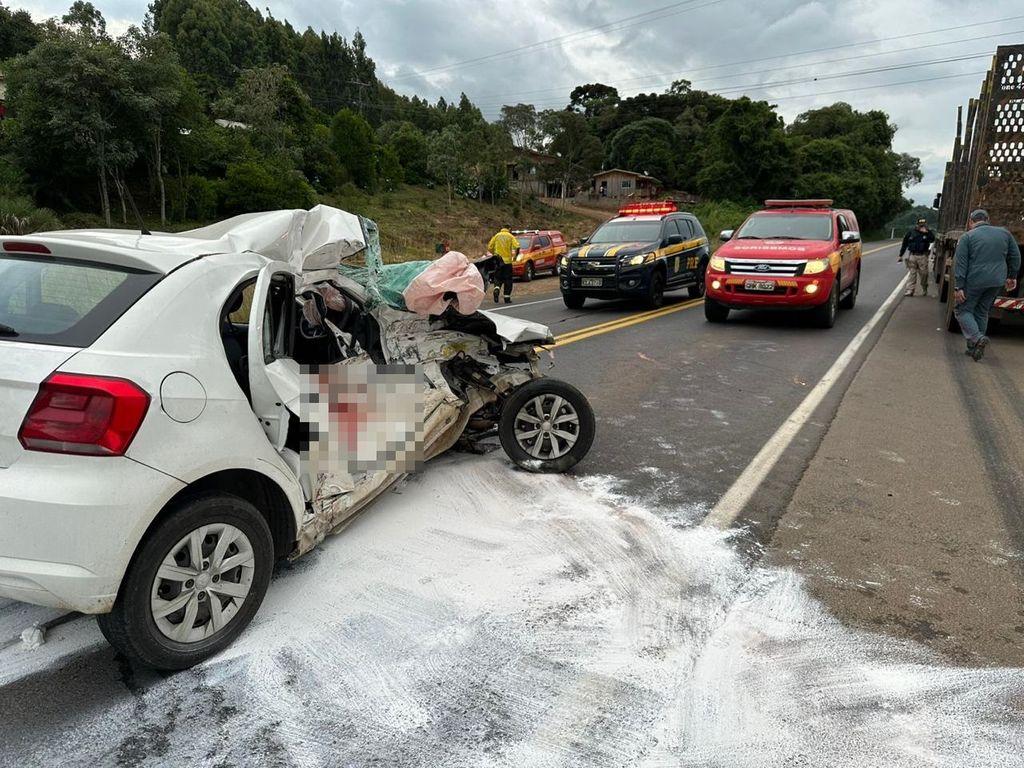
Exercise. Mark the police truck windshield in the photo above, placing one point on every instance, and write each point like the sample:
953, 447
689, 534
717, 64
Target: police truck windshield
627, 232
776, 226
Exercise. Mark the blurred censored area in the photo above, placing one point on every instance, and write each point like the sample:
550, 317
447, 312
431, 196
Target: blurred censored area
360, 417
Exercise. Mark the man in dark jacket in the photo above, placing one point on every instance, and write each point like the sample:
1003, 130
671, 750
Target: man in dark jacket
919, 242
986, 262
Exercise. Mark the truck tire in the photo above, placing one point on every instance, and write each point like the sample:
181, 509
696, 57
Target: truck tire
824, 315
527, 427
529, 272
573, 300
211, 547
715, 312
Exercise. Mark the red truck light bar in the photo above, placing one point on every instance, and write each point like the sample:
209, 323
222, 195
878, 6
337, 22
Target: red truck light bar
798, 203
648, 209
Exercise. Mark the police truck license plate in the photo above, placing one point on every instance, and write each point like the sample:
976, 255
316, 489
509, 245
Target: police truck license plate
592, 282
759, 285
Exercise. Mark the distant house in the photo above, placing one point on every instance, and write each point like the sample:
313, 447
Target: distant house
527, 174
617, 184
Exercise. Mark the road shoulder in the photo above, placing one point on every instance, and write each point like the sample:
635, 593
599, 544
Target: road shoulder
902, 522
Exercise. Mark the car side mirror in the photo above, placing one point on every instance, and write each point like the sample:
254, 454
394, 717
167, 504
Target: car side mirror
673, 239
850, 236
726, 235
582, 241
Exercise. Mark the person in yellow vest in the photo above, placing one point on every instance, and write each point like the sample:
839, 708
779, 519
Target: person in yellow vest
505, 246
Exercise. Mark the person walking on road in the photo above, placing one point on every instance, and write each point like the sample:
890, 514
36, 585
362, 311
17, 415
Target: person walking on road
505, 246
986, 261
918, 242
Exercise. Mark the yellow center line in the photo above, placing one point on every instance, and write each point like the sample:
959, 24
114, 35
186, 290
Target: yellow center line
625, 322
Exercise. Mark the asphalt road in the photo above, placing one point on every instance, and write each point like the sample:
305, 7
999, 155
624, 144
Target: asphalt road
482, 616
684, 405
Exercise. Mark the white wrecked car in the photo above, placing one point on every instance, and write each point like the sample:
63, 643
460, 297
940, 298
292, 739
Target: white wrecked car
179, 411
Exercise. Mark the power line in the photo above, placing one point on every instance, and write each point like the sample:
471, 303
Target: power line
612, 26
881, 85
939, 44
813, 78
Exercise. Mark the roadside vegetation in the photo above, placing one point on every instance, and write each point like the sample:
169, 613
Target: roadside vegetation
210, 108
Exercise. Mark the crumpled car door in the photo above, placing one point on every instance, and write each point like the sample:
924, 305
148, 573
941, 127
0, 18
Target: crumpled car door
273, 375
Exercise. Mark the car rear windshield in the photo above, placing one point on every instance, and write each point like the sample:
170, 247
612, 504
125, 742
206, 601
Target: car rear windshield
783, 226
64, 302
627, 232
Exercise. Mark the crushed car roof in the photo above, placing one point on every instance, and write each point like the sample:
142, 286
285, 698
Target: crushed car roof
310, 240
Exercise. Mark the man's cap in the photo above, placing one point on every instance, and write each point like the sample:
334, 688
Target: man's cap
922, 221
979, 214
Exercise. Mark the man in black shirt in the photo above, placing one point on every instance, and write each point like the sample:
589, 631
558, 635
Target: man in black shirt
918, 242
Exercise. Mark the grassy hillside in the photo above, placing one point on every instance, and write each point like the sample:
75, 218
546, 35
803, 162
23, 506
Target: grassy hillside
413, 220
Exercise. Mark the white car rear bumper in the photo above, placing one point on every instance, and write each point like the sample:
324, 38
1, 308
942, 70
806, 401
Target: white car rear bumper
70, 524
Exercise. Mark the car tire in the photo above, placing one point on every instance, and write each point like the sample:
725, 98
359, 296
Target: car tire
535, 400
824, 315
573, 300
715, 312
697, 291
850, 300
655, 291
133, 626
529, 272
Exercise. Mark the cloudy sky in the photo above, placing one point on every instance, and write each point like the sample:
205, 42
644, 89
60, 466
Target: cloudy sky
814, 51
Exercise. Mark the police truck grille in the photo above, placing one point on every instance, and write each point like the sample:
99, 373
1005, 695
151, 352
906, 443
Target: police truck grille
765, 268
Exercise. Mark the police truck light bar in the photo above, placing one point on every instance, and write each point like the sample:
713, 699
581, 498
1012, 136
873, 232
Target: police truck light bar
798, 203
648, 209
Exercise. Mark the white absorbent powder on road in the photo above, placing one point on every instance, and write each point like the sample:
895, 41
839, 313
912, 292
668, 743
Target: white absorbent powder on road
484, 616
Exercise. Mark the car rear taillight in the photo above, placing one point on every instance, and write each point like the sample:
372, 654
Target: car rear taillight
84, 415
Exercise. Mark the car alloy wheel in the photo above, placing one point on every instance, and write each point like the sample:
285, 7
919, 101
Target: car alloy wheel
530, 271
202, 583
547, 427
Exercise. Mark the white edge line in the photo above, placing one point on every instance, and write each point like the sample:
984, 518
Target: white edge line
732, 504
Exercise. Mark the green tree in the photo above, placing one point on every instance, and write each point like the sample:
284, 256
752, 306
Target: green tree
216, 39
579, 152
18, 33
746, 156
410, 145
390, 168
274, 106
168, 100
84, 18
77, 104
445, 160
252, 186
649, 145
593, 99
353, 141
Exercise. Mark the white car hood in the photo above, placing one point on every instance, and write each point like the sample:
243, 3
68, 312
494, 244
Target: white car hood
515, 331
